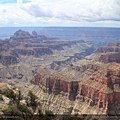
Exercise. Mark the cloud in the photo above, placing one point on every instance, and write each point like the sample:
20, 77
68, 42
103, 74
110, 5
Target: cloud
35, 10
76, 10
61, 12
106, 10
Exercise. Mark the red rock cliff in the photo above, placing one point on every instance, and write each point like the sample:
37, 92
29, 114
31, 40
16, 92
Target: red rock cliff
111, 57
111, 47
101, 89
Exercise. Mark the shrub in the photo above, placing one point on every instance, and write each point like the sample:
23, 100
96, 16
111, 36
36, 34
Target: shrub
33, 98
10, 94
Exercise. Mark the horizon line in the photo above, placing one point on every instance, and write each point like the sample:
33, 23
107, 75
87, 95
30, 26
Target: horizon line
60, 27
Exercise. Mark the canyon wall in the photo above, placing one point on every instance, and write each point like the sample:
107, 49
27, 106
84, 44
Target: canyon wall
111, 47
100, 90
56, 84
23, 43
114, 57
109, 53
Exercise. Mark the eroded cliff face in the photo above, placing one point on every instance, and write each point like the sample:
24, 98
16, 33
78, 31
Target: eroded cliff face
111, 47
56, 84
100, 90
106, 54
109, 53
23, 43
8, 59
81, 87
110, 57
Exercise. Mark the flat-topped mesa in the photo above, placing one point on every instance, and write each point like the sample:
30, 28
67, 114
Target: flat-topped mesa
56, 84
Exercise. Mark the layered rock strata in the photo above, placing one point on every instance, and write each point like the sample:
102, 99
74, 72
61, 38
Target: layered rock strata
23, 43
110, 57
100, 90
111, 47
109, 53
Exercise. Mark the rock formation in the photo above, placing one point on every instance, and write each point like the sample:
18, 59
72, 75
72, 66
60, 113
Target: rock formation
101, 89
8, 59
109, 53
26, 44
112, 47
106, 54
110, 57
20, 35
52, 64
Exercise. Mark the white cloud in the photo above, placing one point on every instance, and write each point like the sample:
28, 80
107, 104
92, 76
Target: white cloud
63, 11
19, 1
76, 10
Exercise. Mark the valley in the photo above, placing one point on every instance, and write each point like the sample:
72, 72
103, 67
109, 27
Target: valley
69, 77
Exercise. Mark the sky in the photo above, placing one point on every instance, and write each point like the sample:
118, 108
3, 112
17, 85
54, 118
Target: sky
77, 13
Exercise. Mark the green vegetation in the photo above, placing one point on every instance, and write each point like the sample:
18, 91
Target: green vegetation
10, 94
29, 110
26, 111
33, 100
12, 109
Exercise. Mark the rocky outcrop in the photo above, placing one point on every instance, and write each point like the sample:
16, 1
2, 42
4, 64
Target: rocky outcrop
111, 47
109, 53
8, 59
56, 84
100, 90
24, 51
26, 44
42, 51
111, 57
93, 67
20, 35
4, 45
33, 51
34, 33
3, 87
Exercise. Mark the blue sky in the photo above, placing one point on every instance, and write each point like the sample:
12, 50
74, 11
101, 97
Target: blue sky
7, 1
95, 13
11, 1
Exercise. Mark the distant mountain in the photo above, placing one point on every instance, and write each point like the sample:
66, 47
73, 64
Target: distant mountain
69, 33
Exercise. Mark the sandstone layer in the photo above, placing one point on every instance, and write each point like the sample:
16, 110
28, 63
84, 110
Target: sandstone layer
63, 82
100, 90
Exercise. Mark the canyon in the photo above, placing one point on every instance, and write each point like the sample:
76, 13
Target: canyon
67, 76
27, 52
96, 84
100, 91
